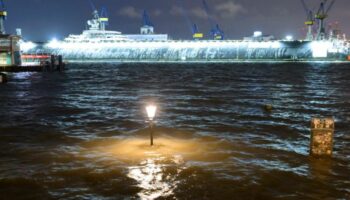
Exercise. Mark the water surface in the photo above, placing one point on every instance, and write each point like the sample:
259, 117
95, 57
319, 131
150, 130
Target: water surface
81, 134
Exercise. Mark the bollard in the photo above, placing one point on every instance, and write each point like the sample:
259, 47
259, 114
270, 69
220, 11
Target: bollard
3, 78
268, 107
53, 62
322, 131
60, 63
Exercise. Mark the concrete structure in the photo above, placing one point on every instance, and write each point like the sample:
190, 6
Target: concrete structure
322, 131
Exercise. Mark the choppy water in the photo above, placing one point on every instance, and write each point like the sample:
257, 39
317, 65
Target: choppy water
81, 134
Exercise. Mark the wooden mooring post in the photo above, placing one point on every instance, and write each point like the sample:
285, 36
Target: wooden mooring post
3, 78
322, 133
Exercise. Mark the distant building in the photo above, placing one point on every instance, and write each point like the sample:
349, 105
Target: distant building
259, 37
146, 30
147, 34
10, 50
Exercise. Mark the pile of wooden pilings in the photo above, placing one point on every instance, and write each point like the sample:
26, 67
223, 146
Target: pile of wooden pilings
56, 64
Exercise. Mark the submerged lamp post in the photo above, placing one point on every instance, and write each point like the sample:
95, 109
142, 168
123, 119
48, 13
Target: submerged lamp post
151, 113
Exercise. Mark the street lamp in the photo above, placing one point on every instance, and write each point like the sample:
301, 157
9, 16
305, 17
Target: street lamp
151, 113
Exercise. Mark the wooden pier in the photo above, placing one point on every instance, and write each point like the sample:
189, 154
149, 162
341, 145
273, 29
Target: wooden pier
32, 68
54, 64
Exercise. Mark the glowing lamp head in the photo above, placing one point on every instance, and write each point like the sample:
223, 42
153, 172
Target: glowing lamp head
151, 111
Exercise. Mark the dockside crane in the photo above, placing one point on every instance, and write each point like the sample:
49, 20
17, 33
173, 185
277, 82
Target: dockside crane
310, 21
92, 5
3, 16
100, 20
94, 10
103, 18
321, 16
196, 34
215, 32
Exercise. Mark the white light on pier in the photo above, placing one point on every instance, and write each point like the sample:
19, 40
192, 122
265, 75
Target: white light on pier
26, 46
320, 49
289, 37
54, 43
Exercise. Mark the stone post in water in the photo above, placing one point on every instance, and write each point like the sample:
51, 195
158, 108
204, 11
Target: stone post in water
322, 132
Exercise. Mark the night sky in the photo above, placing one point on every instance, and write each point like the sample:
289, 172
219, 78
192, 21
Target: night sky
41, 20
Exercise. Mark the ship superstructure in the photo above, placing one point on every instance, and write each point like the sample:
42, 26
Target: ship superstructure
96, 32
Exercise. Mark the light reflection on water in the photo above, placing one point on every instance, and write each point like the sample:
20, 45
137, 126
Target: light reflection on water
151, 179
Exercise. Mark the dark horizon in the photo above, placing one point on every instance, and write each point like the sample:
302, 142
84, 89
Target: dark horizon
42, 20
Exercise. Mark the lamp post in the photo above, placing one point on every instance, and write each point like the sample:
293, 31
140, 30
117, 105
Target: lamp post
151, 113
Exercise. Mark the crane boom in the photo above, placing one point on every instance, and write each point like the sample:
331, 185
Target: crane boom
185, 14
92, 5
330, 6
207, 11
305, 7
196, 35
215, 32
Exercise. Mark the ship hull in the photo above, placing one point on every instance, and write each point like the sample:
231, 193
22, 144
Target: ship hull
190, 51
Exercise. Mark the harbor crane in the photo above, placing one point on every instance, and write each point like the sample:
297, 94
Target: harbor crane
101, 19
215, 32
310, 21
104, 18
196, 34
321, 16
3, 16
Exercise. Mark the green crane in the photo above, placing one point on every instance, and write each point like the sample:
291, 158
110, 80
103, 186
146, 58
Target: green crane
321, 16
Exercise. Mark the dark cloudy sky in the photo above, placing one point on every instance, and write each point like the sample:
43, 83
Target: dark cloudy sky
44, 19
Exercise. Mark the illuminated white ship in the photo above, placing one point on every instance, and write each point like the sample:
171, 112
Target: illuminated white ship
97, 43
96, 32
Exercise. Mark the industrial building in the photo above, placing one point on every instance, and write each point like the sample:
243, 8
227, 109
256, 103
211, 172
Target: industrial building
9, 50
9, 44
